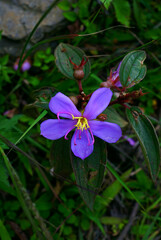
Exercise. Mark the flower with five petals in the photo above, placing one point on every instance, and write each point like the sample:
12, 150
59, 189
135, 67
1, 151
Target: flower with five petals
85, 123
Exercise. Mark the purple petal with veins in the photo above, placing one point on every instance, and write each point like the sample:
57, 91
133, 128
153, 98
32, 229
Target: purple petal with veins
81, 145
63, 105
54, 129
97, 103
109, 132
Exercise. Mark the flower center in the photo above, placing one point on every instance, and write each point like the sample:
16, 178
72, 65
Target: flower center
82, 123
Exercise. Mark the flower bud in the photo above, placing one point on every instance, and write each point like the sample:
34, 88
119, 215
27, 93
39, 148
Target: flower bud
78, 74
74, 100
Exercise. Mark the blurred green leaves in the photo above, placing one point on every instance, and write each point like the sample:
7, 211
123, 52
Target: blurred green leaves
5, 71
122, 10
42, 59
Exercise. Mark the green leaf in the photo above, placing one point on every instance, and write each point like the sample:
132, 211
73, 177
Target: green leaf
96, 163
64, 5
3, 232
60, 157
32, 125
62, 54
85, 224
3, 173
93, 216
151, 226
41, 104
44, 202
106, 3
114, 117
147, 137
71, 16
7, 129
110, 192
123, 11
132, 69
6, 188
27, 205
67, 230
111, 220
89, 173
24, 224
123, 183
4, 60
138, 14
83, 9
49, 59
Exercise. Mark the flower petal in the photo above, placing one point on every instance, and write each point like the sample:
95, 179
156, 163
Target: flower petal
114, 76
63, 104
54, 129
97, 103
80, 146
109, 132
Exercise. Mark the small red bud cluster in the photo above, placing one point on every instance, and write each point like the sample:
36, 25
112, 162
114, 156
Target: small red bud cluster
102, 117
128, 97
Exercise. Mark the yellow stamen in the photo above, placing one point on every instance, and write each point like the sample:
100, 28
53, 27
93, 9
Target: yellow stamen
82, 123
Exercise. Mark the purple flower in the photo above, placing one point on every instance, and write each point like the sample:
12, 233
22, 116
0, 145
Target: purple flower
25, 66
130, 140
85, 123
114, 77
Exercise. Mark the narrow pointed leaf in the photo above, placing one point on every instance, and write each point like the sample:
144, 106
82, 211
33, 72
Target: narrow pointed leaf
111, 191
147, 137
90, 172
3, 232
62, 54
132, 69
111, 220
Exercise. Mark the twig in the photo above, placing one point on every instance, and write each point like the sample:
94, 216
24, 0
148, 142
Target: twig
131, 220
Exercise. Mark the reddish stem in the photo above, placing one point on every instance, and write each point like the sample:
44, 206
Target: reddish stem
124, 105
80, 87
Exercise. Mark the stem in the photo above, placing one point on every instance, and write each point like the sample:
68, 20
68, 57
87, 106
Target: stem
80, 87
126, 98
125, 105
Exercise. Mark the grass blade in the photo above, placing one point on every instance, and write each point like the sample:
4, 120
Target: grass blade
123, 183
32, 125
